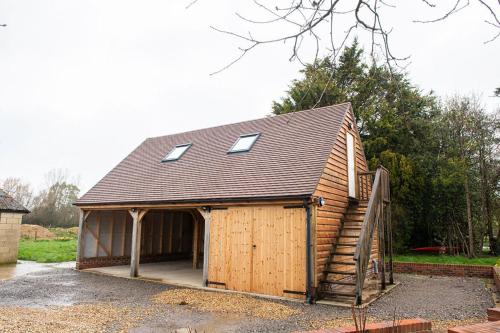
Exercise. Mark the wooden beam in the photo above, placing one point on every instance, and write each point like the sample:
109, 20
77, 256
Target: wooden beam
192, 205
124, 234
195, 241
97, 234
206, 246
151, 234
181, 236
98, 243
84, 215
162, 221
170, 231
110, 237
137, 216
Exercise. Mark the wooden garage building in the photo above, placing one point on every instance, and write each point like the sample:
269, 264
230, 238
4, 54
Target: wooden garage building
282, 205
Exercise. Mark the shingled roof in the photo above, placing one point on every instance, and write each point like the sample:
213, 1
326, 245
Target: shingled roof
8, 204
286, 161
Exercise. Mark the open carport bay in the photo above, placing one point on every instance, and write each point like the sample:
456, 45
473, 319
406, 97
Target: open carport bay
180, 273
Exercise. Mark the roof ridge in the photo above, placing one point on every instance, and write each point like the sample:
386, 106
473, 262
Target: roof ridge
288, 114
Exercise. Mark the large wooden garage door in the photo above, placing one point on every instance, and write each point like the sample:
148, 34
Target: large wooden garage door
259, 249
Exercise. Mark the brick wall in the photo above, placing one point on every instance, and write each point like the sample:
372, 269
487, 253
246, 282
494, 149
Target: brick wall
102, 262
489, 327
444, 269
496, 277
85, 263
416, 325
494, 314
10, 226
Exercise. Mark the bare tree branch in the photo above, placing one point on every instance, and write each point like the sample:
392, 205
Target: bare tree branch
306, 21
454, 10
191, 4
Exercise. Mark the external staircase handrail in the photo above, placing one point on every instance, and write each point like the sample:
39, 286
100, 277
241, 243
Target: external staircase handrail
375, 219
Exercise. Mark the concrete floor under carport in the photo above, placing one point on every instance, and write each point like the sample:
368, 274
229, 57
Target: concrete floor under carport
179, 273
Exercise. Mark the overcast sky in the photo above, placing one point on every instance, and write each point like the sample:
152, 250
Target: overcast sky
82, 83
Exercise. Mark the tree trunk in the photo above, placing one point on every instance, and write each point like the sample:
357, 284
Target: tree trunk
469, 216
486, 202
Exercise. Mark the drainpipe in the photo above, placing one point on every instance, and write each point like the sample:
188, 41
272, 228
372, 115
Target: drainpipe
309, 266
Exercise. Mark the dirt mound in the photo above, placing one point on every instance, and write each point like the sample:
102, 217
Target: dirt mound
73, 230
37, 232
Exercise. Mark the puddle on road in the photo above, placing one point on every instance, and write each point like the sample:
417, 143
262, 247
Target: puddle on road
22, 267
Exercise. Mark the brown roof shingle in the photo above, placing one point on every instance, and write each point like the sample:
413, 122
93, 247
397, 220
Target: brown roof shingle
286, 161
8, 204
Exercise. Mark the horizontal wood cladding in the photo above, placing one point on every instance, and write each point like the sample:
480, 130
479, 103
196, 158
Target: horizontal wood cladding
259, 249
332, 186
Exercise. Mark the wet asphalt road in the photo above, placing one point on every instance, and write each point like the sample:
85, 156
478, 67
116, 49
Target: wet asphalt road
436, 298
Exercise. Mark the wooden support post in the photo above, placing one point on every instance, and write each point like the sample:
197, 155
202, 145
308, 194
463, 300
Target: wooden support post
196, 234
97, 234
206, 246
151, 225
381, 244
181, 221
84, 215
137, 216
124, 235
162, 221
110, 236
389, 238
170, 231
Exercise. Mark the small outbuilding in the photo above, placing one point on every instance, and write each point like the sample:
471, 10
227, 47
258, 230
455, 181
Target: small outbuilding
11, 215
282, 206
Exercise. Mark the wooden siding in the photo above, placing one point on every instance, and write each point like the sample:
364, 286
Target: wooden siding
332, 187
259, 249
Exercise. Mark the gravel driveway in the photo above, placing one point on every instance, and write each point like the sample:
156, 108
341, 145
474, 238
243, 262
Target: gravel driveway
61, 299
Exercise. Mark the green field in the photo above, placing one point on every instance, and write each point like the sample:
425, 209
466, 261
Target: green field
445, 259
61, 249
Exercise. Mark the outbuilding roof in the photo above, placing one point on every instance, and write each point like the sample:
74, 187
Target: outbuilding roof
286, 161
8, 204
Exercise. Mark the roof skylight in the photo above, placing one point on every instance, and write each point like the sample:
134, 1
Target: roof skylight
177, 152
244, 143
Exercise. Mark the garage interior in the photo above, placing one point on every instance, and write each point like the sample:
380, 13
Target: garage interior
171, 245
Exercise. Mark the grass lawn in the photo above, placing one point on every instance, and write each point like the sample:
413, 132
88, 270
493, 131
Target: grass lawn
445, 259
61, 249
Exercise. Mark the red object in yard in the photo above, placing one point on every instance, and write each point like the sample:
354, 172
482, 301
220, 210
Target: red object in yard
431, 249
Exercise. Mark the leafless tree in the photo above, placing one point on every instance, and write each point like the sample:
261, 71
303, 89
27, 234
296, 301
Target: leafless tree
328, 24
19, 190
53, 206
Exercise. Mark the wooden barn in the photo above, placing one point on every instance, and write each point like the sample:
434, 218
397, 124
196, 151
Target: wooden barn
281, 206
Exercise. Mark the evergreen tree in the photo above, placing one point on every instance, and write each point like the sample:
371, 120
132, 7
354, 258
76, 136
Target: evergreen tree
403, 129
